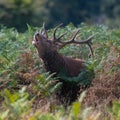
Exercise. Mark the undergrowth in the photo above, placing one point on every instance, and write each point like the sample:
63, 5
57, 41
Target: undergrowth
27, 91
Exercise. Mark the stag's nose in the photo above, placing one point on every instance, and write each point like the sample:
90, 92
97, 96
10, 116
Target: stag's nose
37, 34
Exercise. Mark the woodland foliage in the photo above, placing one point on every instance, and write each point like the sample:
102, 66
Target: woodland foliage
18, 13
27, 91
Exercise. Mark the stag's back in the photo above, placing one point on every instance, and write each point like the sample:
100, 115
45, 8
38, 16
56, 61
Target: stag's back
74, 66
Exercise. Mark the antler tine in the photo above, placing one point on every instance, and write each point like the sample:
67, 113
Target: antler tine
88, 41
54, 33
61, 36
43, 30
90, 38
91, 50
73, 38
68, 42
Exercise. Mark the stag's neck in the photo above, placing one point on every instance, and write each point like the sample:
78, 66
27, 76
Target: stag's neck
53, 61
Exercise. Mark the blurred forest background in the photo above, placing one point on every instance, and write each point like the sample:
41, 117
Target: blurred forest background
19, 13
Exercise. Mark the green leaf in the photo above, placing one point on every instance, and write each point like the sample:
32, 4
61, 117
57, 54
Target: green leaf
4, 115
76, 109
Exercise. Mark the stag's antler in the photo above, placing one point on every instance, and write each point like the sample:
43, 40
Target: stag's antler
44, 31
55, 39
88, 41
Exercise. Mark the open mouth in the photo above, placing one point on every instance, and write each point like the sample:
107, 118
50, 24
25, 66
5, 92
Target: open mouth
35, 39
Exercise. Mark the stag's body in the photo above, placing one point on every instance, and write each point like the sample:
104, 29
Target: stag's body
60, 65
55, 62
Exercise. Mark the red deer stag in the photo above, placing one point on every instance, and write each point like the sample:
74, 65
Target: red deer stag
73, 73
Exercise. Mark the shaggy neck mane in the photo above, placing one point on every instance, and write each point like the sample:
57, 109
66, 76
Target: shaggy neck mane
53, 61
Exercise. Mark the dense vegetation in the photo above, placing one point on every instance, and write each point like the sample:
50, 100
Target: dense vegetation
27, 91
18, 13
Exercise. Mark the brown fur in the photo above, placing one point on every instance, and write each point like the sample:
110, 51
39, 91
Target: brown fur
74, 66
55, 62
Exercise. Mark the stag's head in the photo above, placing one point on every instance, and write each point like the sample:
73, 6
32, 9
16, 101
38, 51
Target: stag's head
44, 45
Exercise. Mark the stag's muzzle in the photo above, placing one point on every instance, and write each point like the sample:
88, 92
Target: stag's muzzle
36, 39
